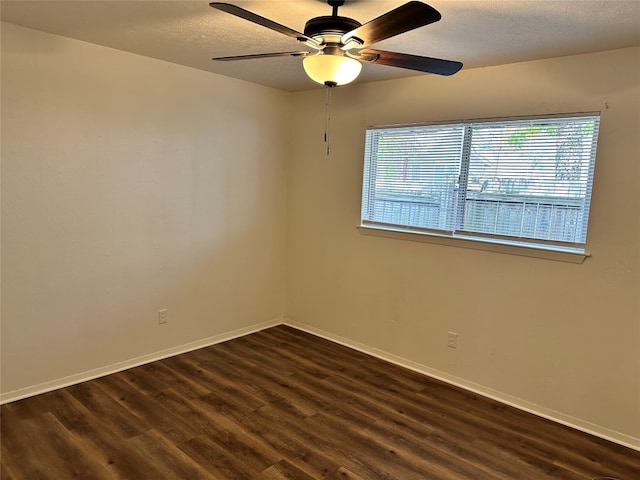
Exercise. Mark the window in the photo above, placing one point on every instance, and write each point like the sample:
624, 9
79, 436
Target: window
520, 181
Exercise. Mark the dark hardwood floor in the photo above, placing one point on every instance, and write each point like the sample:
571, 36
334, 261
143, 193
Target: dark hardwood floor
283, 404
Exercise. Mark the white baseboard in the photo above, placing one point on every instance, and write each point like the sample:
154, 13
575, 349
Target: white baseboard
587, 427
549, 414
132, 362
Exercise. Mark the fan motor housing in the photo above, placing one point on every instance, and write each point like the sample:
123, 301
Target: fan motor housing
330, 25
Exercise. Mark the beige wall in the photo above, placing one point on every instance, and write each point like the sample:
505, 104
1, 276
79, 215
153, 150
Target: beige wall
559, 338
130, 185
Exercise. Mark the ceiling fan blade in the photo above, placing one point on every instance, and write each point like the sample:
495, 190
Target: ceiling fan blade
261, 55
411, 62
402, 19
265, 22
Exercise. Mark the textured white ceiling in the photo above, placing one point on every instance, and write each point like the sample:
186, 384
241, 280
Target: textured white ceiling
476, 32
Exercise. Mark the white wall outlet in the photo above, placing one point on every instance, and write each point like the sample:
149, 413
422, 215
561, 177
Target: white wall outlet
162, 316
452, 340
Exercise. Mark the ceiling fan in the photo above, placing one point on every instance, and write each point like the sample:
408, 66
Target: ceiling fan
340, 43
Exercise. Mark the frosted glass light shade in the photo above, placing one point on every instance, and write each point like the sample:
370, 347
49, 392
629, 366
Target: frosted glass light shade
331, 69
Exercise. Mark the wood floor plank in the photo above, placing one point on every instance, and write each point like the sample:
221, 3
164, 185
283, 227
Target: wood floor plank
378, 453
270, 385
284, 470
216, 460
283, 404
48, 439
121, 421
318, 455
99, 438
146, 408
167, 377
17, 454
220, 381
389, 420
4, 473
170, 460
227, 435
345, 474
459, 463
287, 436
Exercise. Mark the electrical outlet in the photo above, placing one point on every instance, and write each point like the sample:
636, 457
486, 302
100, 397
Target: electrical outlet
452, 340
162, 316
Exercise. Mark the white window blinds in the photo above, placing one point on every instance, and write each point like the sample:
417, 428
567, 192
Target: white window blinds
411, 176
525, 180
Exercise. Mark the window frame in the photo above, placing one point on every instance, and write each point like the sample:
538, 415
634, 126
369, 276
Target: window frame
574, 252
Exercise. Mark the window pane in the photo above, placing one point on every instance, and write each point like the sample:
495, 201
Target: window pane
411, 176
531, 179
524, 181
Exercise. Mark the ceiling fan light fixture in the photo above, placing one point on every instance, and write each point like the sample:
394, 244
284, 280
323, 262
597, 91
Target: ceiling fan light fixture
331, 70
343, 43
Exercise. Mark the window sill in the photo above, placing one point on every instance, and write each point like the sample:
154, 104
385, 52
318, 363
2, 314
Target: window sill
476, 244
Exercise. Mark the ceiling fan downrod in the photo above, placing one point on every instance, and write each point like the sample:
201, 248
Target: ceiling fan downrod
334, 5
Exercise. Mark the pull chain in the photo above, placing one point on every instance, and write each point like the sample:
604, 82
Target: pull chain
327, 119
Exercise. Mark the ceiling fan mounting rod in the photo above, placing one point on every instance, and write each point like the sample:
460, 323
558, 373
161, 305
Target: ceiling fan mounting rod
334, 5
